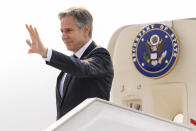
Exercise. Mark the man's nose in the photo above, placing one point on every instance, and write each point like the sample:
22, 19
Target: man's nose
64, 36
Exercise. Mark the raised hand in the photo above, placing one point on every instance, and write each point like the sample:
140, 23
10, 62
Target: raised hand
35, 44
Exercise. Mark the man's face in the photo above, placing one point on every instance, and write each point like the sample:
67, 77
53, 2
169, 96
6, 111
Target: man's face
73, 37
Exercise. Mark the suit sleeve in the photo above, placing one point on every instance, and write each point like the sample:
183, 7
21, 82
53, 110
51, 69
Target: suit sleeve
96, 64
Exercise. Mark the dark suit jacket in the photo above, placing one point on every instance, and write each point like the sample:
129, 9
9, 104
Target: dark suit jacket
88, 77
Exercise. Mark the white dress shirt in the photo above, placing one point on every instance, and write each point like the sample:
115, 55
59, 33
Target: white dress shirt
78, 54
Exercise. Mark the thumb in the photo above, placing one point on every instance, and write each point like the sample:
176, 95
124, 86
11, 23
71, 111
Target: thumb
28, 42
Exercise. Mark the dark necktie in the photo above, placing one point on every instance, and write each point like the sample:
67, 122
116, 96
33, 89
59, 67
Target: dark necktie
74, 56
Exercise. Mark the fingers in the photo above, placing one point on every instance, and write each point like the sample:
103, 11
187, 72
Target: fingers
36, 33
35, 42
32, 32
29, 29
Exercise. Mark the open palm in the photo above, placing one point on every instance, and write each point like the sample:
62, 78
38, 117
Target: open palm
35, 43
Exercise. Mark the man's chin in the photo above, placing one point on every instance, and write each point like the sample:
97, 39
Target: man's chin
70, 49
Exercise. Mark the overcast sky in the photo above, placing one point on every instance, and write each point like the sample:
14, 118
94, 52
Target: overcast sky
27, 86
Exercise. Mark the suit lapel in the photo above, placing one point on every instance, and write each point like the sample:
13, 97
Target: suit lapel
69, 76
58, 96
66, 86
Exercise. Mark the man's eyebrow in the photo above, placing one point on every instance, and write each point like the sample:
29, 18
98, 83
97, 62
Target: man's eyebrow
67, 29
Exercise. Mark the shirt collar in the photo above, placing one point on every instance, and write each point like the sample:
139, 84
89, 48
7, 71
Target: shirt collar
84, 47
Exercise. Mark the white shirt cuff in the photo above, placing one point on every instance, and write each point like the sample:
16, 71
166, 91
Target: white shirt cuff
49, 55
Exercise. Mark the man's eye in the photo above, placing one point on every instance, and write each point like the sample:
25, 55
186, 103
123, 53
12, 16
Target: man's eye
68, 30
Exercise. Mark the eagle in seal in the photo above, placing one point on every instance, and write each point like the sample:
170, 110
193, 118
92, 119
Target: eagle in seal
154, 49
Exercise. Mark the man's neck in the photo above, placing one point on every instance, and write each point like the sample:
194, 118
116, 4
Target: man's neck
83, 48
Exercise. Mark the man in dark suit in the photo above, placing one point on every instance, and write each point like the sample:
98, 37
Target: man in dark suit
86, 74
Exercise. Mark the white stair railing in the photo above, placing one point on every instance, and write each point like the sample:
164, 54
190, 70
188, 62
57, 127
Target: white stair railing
99, 115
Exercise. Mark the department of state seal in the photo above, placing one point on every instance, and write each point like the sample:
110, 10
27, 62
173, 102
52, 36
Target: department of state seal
155, 50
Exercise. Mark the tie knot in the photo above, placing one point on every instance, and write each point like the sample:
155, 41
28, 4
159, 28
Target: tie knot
75, 56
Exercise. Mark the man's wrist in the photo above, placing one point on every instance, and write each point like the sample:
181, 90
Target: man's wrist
44, 53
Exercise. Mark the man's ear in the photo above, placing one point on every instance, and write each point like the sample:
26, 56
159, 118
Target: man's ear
86, 29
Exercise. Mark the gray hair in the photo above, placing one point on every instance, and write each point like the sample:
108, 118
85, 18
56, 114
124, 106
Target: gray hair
81, 16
